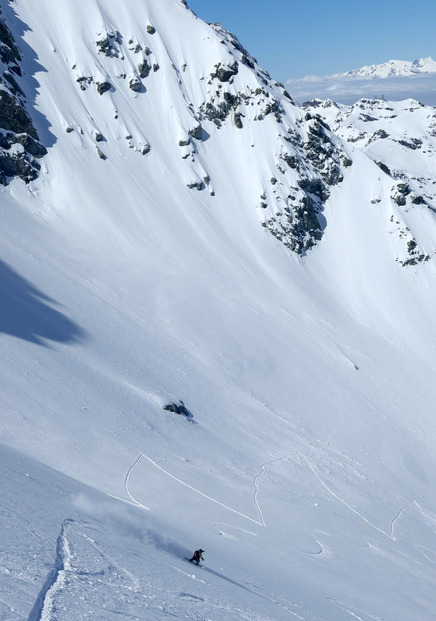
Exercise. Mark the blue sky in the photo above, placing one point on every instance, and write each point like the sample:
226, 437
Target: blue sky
295, 38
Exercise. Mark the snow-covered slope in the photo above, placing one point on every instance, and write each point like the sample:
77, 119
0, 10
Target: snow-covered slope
194, 236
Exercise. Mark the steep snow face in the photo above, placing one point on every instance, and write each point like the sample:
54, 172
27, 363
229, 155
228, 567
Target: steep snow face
135, 83
135, 273
401, 138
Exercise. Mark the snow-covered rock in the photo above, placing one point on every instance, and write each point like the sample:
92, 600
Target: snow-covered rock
392, 68
401, 138
19, 144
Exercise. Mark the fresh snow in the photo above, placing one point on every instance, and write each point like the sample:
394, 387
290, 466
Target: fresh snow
306, 470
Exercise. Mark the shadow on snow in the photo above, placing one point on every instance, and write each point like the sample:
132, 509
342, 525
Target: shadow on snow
238, 584
25, 312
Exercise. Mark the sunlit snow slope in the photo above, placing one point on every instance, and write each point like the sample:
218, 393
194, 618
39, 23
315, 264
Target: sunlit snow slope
163, 254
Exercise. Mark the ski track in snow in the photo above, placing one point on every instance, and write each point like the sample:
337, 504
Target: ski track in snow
65, 570
330, 491
143, 456
43, 607
248, 588
256, 487
347, 608
242, 530
126, 484
426, 518
260, 522
389, 534
392, 525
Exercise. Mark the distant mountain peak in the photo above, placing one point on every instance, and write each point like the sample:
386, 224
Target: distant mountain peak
392, 68
397, 80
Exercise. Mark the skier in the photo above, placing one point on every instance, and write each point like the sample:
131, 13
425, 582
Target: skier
197, 556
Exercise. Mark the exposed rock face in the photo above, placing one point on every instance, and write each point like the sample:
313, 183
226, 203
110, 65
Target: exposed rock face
13, 115
298, 225
109, 44
178, 408
392, 133
19, 144
225, 73
135, 85
103, 87
235, 94
144, 69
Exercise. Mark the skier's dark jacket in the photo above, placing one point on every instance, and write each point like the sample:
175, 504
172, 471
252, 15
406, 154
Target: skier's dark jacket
198, 555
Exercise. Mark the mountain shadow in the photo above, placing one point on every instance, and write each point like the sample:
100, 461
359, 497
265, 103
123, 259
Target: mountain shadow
238, 584
30, 68
26, 313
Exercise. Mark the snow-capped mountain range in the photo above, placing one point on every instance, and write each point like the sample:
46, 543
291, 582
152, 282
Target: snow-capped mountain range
217, 330
394, 80
392, 68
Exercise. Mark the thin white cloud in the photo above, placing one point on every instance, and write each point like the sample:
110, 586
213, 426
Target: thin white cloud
348, 90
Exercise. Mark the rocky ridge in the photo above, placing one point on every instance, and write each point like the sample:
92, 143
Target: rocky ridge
400, 137
294, 155
20, 147
229, 92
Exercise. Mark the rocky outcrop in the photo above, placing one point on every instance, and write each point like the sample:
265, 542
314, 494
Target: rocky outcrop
178, 408
109, 44
235, 92
19, 143
399, 137
318, 162
135, 84
224, 74
144, 69
103, 87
